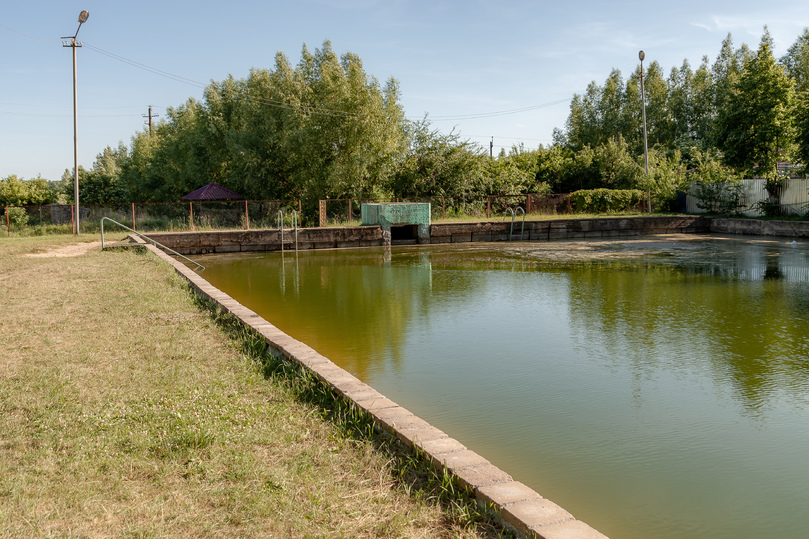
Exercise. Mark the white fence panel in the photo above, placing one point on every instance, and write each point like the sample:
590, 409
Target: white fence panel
794, 197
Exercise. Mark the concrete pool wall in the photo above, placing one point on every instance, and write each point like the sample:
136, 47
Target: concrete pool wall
516, 506
189, 243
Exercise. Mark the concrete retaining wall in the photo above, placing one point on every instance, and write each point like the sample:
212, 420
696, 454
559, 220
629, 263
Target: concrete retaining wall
230, 241
566, 229
189, 243
789, 229
518, 507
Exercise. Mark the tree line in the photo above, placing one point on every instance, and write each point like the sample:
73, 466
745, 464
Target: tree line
737, 117
325, 128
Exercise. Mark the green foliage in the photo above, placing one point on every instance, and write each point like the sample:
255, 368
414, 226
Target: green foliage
16, 217
321, 129
716, 188
15, 191
802, 127
796, 62
755, 128
666, 179
438, 164
606, 200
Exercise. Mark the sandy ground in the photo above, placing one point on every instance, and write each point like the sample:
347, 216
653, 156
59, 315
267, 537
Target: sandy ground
68, 250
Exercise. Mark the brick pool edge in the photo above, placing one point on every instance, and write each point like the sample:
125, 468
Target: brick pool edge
517, 506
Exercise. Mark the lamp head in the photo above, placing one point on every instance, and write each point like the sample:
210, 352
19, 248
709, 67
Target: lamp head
83, 16
641, 55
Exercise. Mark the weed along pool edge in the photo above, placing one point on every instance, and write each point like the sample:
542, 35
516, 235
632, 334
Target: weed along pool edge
516, 506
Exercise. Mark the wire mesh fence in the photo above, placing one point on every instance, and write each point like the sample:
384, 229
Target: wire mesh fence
345, 212
259, 214
176, 216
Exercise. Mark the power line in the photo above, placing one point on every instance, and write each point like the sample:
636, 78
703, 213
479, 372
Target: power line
145, 67
500, 112
269, 102
32, 114
39, 105
184, 80
316, 110
24, 37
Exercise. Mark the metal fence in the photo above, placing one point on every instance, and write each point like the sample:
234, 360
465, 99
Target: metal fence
345, 211
247, 214
793, 195
200, 215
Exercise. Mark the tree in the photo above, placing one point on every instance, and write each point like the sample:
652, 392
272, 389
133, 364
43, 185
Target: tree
102, 184
322, 129
802, 124
16, 191
755, 127
796, 62
717, 188
438, 164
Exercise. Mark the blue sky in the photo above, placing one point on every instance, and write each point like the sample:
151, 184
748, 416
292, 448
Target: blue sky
459, 62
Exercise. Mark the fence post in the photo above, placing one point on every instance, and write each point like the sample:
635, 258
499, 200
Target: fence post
527, 203
350, 213
72, 220
322, 208
246, 216
300, 207
8, 224
134, 227
191, 214
488, 205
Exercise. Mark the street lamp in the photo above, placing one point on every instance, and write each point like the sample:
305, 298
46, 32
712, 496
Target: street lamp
641, 56
73, 44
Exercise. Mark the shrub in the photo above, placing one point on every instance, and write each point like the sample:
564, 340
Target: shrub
17, 217
606, 200
716, 188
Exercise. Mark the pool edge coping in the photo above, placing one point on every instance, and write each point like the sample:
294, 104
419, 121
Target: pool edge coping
517, 506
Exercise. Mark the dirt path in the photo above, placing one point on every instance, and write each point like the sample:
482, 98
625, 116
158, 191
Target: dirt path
68, 250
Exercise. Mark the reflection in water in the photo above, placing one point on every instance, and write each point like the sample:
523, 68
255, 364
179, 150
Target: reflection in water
653, 388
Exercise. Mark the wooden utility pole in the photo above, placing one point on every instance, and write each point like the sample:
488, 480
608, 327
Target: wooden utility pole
150, 116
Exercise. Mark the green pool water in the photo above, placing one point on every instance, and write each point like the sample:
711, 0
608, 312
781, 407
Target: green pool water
657, 387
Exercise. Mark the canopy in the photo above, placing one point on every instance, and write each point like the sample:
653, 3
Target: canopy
213, 192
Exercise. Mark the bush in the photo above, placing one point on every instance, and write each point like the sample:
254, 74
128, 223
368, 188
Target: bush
17, 217
716, 188
606, 200
719, 198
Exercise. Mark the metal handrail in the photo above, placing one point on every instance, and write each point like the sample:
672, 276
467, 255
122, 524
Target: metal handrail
513, 216
150, 240
281, 227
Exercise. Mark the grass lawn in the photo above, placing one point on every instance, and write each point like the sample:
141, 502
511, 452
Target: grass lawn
127, 410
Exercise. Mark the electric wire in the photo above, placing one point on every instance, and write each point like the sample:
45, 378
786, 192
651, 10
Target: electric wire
25, 37
318, 110
262, 100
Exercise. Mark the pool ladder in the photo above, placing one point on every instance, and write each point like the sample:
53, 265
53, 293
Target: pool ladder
513, 216
281, 227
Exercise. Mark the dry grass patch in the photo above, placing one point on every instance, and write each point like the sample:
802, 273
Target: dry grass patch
125, 410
